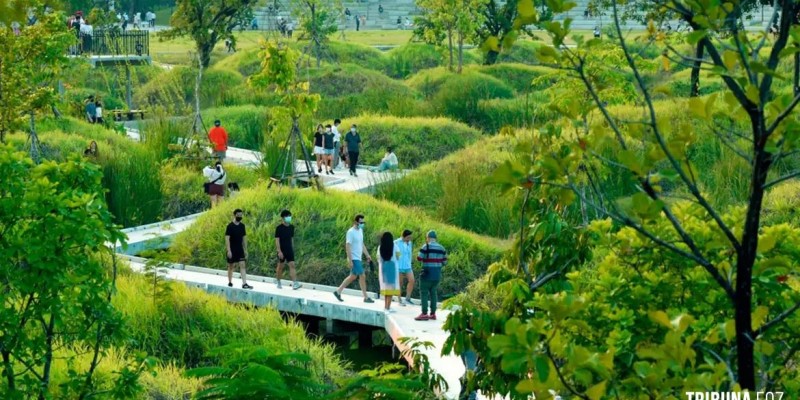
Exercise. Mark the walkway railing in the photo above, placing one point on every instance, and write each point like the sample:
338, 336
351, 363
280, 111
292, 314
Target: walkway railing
113, 42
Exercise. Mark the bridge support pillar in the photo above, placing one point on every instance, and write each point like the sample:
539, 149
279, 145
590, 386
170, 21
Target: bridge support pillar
365, 337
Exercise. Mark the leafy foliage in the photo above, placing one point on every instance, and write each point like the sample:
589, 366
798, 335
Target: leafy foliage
56, 290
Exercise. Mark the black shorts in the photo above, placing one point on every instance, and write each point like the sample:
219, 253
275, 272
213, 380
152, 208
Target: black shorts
288, 256
237, 257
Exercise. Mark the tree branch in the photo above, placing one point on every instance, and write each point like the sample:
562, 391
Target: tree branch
776, 320
783, 115
781, 179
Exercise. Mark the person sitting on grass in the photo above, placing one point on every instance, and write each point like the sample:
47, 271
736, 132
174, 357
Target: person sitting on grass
389, 161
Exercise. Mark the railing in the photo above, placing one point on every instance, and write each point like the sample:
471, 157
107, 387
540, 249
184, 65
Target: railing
113, 43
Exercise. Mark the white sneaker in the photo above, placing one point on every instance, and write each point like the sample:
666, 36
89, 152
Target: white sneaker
402, 302
392, 311
387, 312
296, 285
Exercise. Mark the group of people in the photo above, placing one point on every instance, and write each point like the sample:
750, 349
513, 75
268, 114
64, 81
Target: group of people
394, 258
94, 110
285, 27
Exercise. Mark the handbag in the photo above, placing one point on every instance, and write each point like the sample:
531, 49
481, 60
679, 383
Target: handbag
207, 185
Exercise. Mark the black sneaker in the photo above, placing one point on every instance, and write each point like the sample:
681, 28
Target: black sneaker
319, 170
246, 286
337, 295
368, 300
230, 284
333, 173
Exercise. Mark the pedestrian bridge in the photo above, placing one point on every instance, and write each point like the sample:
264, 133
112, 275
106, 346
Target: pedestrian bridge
318, 301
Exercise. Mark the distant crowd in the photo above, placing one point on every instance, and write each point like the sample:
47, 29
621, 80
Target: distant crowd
333, 152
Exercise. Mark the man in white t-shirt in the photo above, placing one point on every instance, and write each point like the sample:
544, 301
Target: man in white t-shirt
337, 142
354, 245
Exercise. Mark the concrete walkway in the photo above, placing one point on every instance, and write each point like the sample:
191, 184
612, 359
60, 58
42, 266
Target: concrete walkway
318, 301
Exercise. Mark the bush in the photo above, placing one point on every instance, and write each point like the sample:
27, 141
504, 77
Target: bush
353, 53
410, 58
451, 189
523, 51
322, 220
415, 140
458, 97
182, 188
524, 111
130, 170
174, 92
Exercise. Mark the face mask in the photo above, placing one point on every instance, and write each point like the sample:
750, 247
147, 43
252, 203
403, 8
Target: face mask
238, 219
353, 130
360, 225
288, 219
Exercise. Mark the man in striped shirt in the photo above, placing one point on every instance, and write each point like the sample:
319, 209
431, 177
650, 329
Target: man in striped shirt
433, 257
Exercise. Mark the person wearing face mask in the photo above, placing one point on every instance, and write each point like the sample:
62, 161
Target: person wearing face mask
284, 242
236, 248
337, 142
404, 247
328, 146
433, 257
355, 249
319, 151
215, 187
353, 140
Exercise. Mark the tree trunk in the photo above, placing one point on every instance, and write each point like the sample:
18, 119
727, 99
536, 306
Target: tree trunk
48, 358
460, 51
8, 371
695, 79
205, 49
450, 47
745, 260
796, 82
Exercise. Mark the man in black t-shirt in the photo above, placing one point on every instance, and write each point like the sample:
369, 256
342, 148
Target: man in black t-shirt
236, 248
284, 242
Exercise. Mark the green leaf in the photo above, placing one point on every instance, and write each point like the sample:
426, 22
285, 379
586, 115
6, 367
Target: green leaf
542, 368
661, 318
525, 386
597, 391
766, 243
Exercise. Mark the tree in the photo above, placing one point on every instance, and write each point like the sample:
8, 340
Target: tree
57, 287
318, 20
682, 294
207, 22
30, 63
457, 19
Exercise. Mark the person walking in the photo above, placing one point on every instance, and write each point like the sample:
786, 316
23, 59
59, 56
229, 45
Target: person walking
284, 242
219, 140
354, 246
215, 187
358, 23
337, 142
388, 275
236, 248
329, 149
319, 150
353, 141
404, 247
433, 257
98, 112
91, 110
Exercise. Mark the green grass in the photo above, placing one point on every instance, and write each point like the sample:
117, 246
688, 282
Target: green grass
321, 220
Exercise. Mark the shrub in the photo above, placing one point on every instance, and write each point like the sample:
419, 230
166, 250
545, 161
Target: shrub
415, 140
458, 97
411, 58
322, 220
174, 92
353, 53
452, 190
523, 51
130, 170
524, 111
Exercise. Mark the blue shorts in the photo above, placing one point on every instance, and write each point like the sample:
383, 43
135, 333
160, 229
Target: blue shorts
358, 268
404, 271
328, 152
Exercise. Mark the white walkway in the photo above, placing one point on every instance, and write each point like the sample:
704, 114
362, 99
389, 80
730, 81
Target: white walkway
318, 300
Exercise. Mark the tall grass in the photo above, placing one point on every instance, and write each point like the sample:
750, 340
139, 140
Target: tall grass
182, 187
186, 324
321, 220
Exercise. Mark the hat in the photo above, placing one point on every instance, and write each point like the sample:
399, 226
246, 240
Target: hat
432, 234
216, 122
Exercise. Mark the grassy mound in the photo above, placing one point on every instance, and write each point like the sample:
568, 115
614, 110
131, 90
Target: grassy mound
518, 76
246, 125
408, 59
181, 187
416, 140
350, 90
519, 112
321, 220
174, 91
458, 96
130, 170
453, 189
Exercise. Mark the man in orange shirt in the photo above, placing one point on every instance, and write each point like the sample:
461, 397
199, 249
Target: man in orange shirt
219, 140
